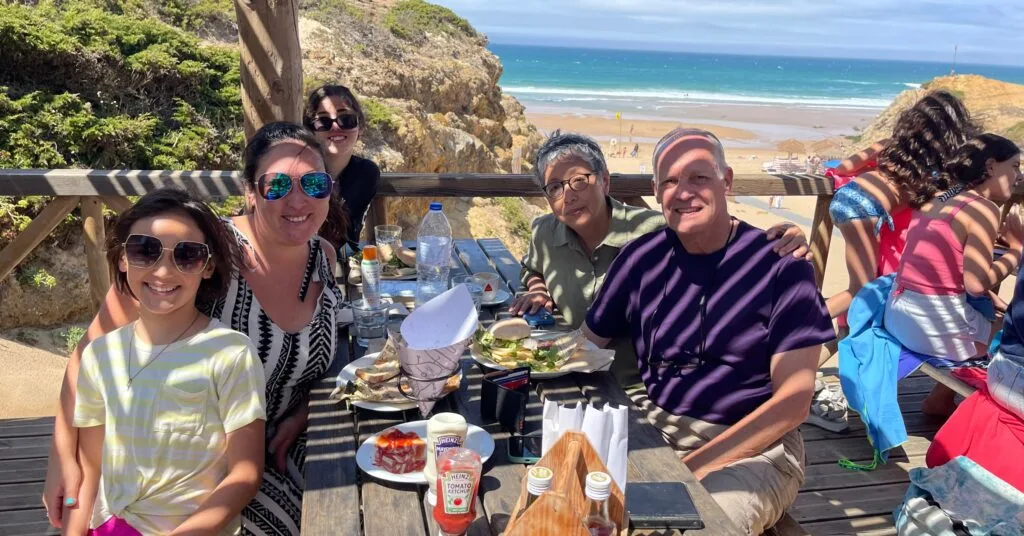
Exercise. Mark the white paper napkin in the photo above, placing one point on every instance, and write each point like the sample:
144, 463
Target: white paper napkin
605, 428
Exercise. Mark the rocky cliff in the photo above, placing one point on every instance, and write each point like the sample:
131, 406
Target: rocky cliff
998, 106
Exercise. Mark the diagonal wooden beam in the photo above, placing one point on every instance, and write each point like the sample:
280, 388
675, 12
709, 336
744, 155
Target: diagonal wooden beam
116, 203
41, 226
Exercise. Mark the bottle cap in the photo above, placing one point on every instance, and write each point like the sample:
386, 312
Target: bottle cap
599, 485
538, 480
435, 205
369, 253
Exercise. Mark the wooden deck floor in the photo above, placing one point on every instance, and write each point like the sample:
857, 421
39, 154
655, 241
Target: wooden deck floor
832, 501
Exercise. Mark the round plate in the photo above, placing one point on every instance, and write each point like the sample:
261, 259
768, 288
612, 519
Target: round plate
500, 296
348, 375
474, 350
477, 440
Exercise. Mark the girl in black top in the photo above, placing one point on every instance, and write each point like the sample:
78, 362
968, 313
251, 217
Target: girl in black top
333, 112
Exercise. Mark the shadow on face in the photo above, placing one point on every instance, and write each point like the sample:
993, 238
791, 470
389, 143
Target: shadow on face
295, 218
691, 186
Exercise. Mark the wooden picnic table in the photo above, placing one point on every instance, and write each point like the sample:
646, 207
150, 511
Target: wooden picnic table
339, 499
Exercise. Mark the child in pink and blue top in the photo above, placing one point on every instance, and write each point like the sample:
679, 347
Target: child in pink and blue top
949, 254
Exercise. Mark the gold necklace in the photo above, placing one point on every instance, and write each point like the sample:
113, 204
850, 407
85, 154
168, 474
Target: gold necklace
131, 344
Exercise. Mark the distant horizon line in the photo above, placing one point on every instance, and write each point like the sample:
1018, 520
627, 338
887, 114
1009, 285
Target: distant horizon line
954, 66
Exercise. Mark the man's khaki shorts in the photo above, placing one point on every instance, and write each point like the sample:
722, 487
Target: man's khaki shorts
753, 492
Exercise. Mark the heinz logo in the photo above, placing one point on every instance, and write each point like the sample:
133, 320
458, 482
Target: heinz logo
446, 442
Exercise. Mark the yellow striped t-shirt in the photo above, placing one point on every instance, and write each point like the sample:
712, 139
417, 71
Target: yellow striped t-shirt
165, 439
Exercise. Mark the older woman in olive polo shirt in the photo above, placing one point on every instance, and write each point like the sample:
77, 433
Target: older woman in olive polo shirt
572, 248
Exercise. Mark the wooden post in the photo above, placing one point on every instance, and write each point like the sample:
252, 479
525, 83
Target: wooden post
821, 237
95, 242
39, 229
271, 58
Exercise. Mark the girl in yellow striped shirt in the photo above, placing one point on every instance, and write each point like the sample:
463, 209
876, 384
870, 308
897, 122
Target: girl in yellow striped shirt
171, 406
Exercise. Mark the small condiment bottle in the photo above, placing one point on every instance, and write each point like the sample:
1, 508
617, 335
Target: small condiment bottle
458, 478
538, 482
370, 270
597, 521
445, 431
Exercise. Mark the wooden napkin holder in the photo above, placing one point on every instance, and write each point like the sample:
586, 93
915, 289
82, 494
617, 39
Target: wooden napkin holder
560, 511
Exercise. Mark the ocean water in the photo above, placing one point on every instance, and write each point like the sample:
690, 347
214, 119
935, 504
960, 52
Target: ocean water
629, 81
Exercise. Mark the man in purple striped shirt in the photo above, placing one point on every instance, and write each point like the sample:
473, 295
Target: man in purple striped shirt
727, 334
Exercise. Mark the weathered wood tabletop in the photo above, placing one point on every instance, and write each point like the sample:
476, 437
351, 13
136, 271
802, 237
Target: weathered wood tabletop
340, 499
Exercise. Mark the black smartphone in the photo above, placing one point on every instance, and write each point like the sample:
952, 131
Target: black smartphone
524, 448
661, 505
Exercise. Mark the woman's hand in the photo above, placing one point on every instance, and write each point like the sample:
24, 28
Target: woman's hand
791, 240
531, 302
63, 481
288, 431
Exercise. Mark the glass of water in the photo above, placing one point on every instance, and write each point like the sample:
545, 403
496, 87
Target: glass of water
476, 290
389, 238
370, 321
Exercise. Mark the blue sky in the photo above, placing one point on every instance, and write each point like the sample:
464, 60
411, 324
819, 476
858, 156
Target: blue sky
987, 31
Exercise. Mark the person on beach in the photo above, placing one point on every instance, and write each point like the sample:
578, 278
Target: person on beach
171, 405
334, 113
572, 248
727, 332
872, 206
949, 255
285, 299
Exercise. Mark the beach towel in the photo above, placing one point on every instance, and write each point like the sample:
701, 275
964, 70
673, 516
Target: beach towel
868, 371
966, 493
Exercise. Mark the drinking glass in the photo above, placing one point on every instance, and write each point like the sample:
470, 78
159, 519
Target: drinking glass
370, 321
476, 290
388, 238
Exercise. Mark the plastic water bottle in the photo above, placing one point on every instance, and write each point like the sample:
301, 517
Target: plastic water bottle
369, 268
433, 254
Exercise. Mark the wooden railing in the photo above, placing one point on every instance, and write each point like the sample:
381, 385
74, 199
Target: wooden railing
94, 189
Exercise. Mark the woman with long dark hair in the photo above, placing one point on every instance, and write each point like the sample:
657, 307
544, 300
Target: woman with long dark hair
334, 113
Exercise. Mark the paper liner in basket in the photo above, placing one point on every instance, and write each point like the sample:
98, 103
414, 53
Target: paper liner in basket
435, 337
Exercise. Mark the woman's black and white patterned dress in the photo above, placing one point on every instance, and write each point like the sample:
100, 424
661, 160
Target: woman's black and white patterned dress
291, 361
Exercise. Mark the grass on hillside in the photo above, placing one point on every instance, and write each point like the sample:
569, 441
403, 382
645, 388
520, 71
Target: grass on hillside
412, 19
512, 213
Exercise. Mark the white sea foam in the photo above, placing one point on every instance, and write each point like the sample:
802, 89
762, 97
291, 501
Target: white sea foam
559, 94
912, 85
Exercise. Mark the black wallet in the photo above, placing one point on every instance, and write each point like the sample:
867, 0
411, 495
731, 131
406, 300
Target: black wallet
503, 398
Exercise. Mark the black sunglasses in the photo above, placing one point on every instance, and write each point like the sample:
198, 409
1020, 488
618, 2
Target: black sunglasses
577, 183
274, 186
345, 121
144, 251
693, 359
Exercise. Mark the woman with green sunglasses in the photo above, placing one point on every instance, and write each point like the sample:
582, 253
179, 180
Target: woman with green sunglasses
334, 113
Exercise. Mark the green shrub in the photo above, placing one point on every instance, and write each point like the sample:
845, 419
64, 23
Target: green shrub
379, 116
330, 11
412, 19
71, 337
37, 278
512, 213
1016, 133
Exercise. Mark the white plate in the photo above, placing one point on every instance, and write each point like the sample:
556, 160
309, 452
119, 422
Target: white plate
474, 350
348, 375
477, 440
500, 297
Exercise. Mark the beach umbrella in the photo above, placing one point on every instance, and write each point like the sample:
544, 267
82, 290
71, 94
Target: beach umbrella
824, 146
791, 147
